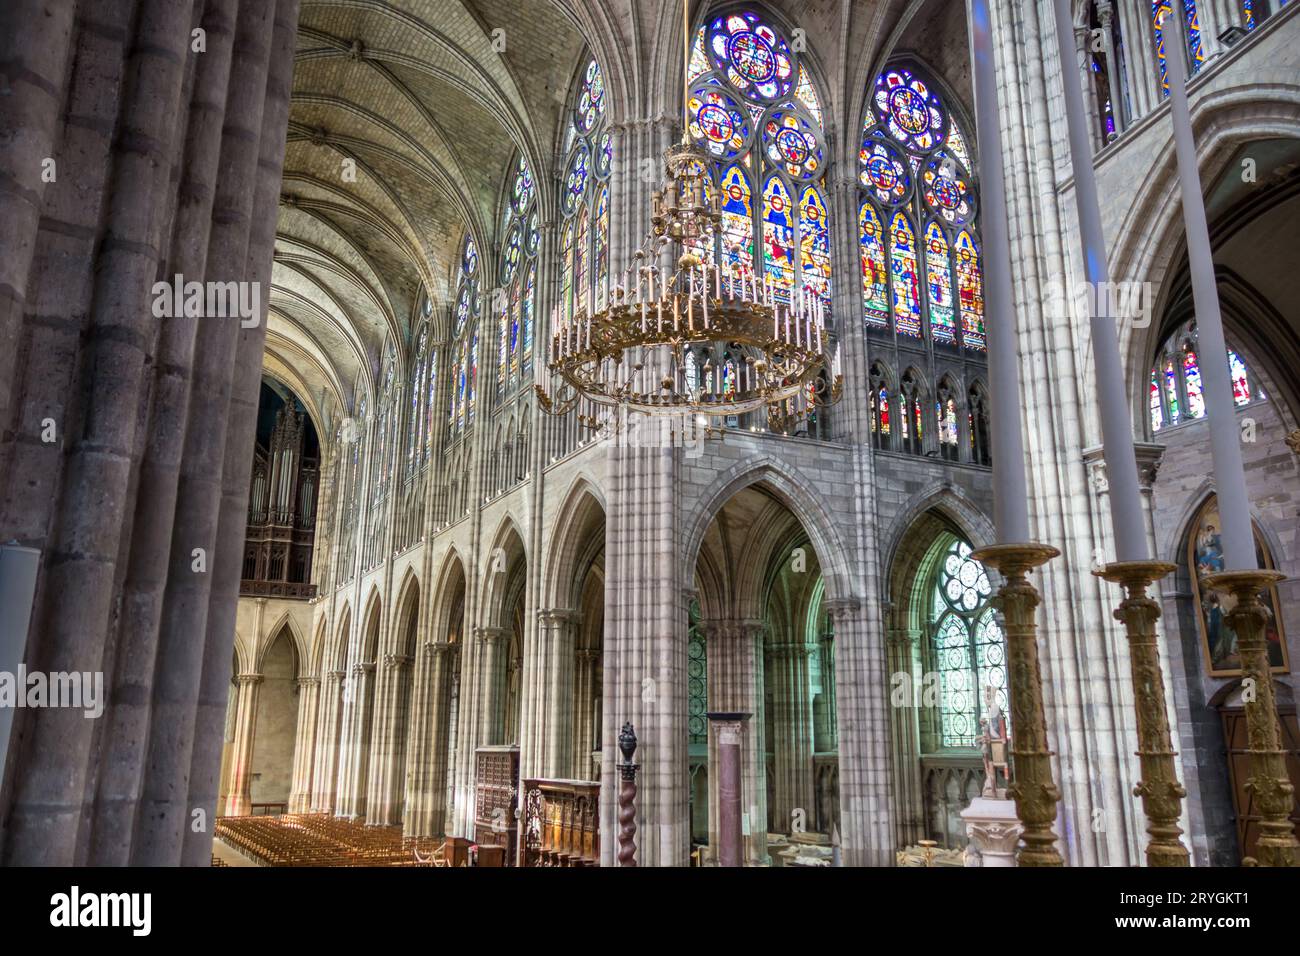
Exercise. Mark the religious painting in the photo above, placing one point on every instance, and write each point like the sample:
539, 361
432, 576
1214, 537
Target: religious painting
1218, 640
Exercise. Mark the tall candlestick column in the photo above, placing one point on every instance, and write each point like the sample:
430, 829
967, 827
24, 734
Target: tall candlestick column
1243, 580
1034, 789
1159, 787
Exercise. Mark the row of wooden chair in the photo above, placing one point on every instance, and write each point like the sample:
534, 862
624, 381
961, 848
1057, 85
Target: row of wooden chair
322, 840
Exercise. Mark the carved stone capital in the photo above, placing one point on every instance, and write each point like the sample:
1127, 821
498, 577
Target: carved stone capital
397, 661
336, 677
553, 616
308, 681
490, 635
248, 678
842, 609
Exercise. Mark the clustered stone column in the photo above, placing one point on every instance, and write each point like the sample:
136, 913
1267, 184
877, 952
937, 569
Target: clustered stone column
557, 659
792, 796
388, 748
304, 749
493, 646
586, 726
427, 800
325, 780
146, 149
241, 753
909, 800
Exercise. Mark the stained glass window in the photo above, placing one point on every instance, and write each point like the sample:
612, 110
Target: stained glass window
585, 234
907, 297
468, 302
755, 111
1240, 379
778, 235
414, 433
915, 163
737, 219
967, 647
814, 243
1192, 378
1171, 393
872, 248
512, 303
938, 272
1157, 406
1161, 10
970, 291
1177, 392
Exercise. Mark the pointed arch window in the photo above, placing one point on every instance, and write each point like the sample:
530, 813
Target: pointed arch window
911, 417
585, 233
917, 215
514, 304
945, 409
1176, 393
880, 420
464, 345
978, 424
754, 109
967, 648
415, 426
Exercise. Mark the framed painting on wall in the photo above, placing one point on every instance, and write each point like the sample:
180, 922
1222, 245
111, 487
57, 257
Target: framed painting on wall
1218, 640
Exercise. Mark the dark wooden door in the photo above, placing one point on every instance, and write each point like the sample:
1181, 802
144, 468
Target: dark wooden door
1237, 742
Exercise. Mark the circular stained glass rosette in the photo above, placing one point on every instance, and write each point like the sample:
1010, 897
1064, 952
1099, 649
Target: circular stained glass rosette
523, 191
792, 144
754, 58
531, 239
719, 124
966, 584
605, 155
884, 171
575, 180
905, 105
947, 190
471, 257
510, 257
591, 99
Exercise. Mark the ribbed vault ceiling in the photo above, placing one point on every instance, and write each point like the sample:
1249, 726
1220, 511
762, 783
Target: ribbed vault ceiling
404, 118
406, 115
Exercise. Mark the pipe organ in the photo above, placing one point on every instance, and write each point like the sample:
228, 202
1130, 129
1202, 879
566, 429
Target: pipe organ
281, 513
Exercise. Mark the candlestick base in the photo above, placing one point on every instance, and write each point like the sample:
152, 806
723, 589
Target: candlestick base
1271, 790
1033, 787
1161, 792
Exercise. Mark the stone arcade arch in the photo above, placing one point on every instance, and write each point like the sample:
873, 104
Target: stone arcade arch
432, 743
566, 706
760, 582
932, 785
393, 700
276, 723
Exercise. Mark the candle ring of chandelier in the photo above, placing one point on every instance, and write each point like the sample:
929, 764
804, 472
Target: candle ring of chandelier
639, 347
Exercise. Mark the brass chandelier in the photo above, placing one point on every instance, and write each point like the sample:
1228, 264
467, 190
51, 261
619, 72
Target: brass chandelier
680, 335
